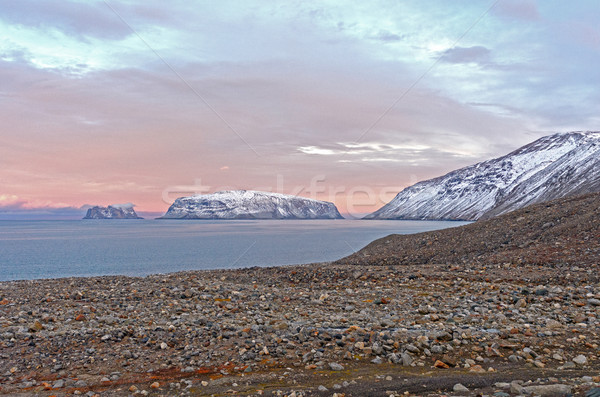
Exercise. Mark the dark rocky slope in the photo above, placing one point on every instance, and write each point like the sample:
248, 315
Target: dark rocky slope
563, 231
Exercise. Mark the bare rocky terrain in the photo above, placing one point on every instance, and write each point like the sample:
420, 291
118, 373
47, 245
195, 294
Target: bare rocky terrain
504, 307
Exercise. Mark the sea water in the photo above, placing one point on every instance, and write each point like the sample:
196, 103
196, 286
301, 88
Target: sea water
52, 249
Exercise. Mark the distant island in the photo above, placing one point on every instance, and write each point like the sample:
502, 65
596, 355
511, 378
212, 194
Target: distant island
115, 211
250, 204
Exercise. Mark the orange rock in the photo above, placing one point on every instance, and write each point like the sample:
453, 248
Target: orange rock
4, 302
155, 385
477, 368
81, 317
440, 364
514, 331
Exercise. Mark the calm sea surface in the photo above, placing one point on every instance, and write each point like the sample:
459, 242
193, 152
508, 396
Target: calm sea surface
51, 249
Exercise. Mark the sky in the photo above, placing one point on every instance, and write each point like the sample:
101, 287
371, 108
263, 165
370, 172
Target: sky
144, 101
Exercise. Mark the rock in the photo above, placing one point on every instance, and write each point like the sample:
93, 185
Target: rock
440, 364
59, 384
553, 324
516, 388
594, 392
477, 369
336, 367
322, 388
407, 359
36, 326
539, 364
556, 390
155, 385
580, 360
80, 383
133, 389
521, 303
459, 388
594, 302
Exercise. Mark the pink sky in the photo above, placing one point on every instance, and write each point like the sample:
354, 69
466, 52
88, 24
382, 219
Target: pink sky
342, 102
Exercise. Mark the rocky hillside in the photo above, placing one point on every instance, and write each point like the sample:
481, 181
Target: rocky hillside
563, 231
248, 204
552, 167
116, 211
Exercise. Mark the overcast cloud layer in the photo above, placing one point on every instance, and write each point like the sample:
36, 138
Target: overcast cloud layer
141, 101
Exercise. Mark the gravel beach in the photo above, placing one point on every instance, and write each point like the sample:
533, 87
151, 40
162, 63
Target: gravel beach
310, 330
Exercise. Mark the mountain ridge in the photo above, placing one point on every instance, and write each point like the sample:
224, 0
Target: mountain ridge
551, 167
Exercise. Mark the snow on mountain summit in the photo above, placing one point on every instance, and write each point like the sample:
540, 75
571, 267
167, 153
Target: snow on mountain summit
548, 168
250, 204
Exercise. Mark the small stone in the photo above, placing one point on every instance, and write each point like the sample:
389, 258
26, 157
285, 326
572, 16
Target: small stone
80, 383
204, 383
407, 359
155, 385
58, 384
163, 346
477, 369
548, 390
80, 317
459, 388
36, 326
580, 359
516, 388
133, 389
322, 388
539, 364
336, 367
594, 302
440, 364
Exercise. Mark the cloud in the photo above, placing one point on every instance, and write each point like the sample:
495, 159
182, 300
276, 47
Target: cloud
475, 54
83, 19
388, 37
521, 9
123, 206
14, 208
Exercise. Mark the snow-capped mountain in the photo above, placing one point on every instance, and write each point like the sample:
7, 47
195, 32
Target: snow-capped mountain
551, 167
115, 211
249, 204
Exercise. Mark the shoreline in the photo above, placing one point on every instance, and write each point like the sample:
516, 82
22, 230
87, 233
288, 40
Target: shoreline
294, 328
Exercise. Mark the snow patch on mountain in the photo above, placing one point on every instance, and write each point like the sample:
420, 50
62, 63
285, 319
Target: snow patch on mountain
551, 167
249, 204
